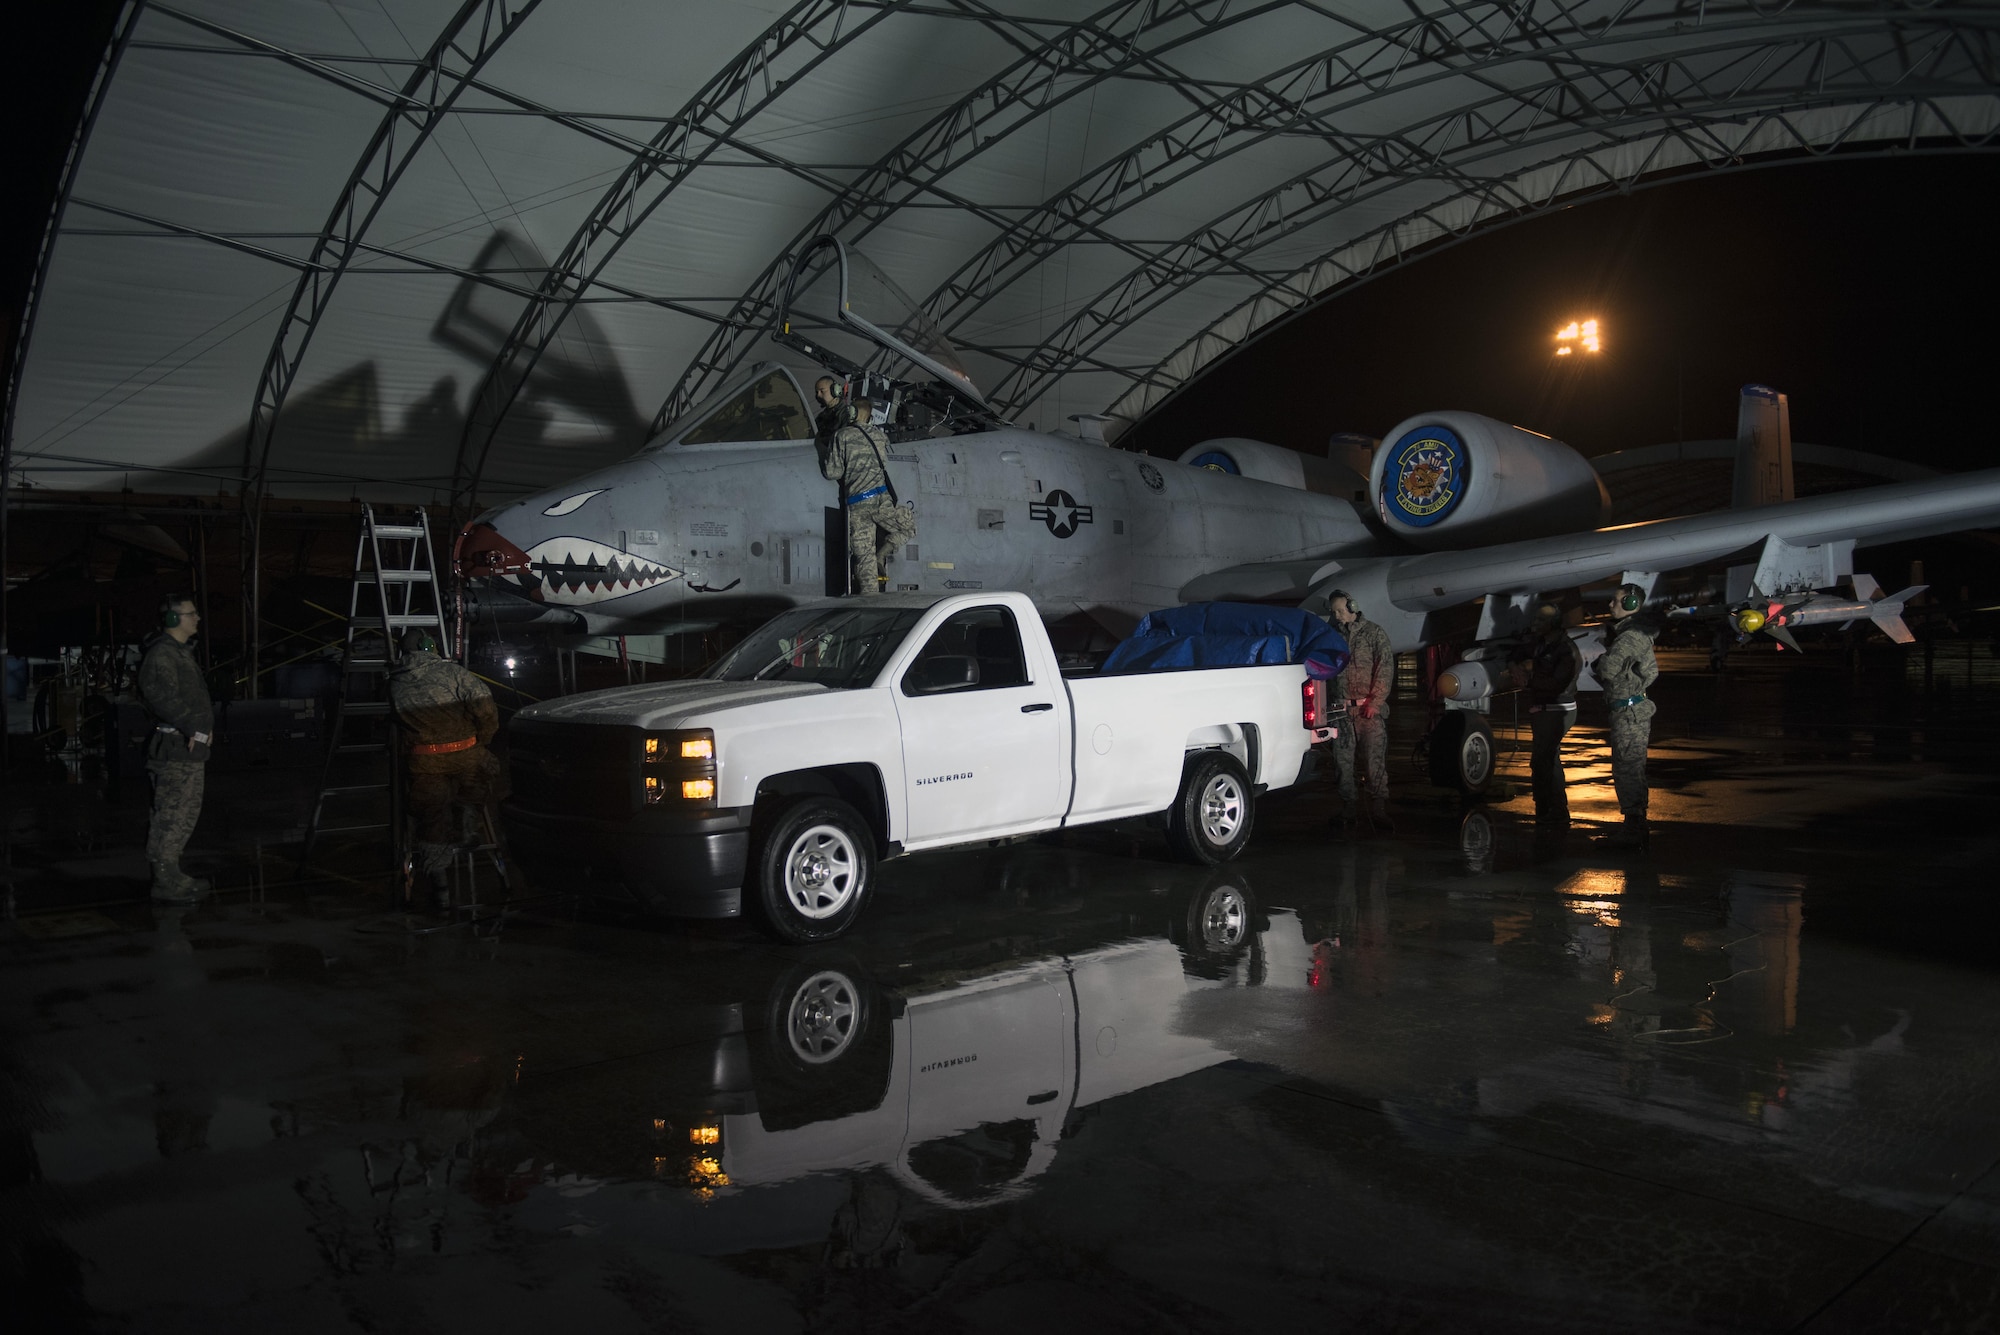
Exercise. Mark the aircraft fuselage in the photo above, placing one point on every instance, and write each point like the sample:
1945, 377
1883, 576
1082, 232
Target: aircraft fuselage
684, 536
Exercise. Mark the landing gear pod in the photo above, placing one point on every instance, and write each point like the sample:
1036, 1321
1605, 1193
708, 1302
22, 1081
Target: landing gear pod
1462, 754
1449, 479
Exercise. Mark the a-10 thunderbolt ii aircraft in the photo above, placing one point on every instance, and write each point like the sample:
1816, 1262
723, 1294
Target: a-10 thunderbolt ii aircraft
725, 517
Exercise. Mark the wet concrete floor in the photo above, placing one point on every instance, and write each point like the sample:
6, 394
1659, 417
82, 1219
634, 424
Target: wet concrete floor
1467, 1076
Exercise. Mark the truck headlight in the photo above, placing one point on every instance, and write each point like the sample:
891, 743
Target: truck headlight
679, 766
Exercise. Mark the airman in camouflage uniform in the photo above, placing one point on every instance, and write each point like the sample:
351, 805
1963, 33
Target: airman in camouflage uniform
448, 718
858, 458
1546, 666
176, 698
1626, 669
1367, 681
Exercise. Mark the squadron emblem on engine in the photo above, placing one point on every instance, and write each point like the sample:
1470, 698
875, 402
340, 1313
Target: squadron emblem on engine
1424, 478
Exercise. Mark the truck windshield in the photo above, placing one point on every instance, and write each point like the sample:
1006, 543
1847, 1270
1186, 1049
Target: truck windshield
842, 647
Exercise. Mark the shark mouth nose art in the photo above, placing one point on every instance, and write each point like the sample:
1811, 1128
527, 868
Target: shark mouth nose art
569, 571
566, 571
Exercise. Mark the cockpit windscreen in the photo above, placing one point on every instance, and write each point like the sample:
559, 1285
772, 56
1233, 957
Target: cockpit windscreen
766, 407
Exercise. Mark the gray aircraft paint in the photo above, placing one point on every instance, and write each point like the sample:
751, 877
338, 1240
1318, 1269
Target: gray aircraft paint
1079, 526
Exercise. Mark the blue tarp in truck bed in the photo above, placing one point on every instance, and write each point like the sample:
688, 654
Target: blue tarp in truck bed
1230, 635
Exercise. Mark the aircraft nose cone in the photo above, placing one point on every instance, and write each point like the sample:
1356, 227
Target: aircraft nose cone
483, 551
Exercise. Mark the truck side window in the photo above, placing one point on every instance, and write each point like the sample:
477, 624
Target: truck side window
979, 649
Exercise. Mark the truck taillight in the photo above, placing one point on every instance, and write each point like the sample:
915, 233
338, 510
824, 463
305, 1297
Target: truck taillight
1309, 695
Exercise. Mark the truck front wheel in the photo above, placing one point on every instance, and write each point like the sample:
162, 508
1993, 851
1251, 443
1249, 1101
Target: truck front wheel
1211, 819
815, 867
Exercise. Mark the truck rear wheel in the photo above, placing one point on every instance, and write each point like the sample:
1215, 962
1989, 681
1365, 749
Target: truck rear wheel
1211, 818
815, 867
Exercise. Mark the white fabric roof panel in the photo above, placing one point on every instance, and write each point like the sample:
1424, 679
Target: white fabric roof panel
1095, 204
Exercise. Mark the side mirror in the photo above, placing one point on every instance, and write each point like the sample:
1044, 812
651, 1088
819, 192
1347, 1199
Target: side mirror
946, 672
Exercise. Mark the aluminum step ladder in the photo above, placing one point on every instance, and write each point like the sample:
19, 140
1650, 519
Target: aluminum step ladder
396, 588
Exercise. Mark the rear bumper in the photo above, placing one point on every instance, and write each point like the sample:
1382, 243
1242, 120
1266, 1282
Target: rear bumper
686, 867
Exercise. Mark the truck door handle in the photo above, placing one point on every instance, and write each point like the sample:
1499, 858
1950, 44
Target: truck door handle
1036, 709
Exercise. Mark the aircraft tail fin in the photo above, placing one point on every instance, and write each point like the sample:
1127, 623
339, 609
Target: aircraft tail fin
1763, 448
1887, 614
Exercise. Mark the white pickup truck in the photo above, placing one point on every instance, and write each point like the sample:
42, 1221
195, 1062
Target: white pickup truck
855, 729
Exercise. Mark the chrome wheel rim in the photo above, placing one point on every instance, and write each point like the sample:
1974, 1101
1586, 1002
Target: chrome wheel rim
1225, 920
823, 1017
1221, 808
822, 872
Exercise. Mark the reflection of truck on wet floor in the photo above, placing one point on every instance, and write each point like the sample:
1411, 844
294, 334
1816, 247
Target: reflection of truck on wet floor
959, 1088
964, 1095
854, 729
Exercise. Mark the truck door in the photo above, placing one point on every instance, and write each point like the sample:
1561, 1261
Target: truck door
989, 1084
985, 745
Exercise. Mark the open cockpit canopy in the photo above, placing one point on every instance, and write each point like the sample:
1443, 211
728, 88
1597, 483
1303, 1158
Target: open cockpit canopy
847, 314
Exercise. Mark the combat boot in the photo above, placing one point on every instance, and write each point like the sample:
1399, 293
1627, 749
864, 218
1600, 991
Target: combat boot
1380, 821
1632, 835
441, 893
171, 885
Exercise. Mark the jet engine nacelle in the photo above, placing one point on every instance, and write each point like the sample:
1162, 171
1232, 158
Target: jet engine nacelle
1269, 463
1450, 479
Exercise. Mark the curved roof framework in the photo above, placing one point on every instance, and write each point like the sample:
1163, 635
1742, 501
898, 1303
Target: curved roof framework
471, 246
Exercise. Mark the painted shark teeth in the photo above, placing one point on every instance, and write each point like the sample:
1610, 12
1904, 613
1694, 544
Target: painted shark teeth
572, 571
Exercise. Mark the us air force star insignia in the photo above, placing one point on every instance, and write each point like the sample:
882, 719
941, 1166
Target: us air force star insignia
1060, 512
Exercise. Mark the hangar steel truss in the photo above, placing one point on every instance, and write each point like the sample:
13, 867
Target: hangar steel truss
1318, 142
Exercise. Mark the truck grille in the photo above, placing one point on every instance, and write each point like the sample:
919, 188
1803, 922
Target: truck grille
575, 769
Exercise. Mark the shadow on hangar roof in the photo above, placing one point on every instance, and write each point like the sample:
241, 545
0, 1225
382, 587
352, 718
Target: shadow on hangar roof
325, 251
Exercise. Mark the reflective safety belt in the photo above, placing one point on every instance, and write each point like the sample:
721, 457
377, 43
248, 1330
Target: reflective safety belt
866, 495
443, 748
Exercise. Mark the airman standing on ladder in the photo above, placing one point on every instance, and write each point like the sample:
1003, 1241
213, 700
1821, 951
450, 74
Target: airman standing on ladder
448, 717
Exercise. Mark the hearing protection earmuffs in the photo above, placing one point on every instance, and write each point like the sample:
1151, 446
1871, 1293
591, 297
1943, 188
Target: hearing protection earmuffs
418, 640
1352, 606
170, 611
1629, 600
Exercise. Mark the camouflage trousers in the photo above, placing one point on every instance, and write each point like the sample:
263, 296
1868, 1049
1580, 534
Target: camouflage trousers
1631, 729
1545, 762
1371, 737
875, 527
448, 796
177, 789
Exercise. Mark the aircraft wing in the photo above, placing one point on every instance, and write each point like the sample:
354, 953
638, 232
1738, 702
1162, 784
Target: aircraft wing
1397, 591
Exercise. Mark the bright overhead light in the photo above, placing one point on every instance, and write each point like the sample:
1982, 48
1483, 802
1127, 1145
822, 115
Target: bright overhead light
1579, 336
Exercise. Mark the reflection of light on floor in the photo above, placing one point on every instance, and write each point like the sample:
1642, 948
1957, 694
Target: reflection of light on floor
1593, 893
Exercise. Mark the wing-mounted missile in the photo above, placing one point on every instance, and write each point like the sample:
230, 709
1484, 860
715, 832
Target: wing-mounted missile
1780, 617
